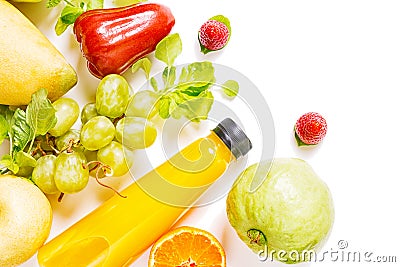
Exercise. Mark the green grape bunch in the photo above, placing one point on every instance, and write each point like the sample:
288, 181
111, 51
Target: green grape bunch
61, 157
112, 127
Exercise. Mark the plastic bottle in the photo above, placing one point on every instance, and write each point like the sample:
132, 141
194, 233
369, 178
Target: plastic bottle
121, 229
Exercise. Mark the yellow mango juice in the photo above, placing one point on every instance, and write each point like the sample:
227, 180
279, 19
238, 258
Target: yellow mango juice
118, 231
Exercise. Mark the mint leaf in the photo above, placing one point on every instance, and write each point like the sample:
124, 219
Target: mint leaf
154, 84
23, 126
194, 90
184, 75
190, 96
23, 159
4, 128
230, 88
20, 132
169, 76
68, 16
52, 3
197, 74
40, 113
60, 27
95, 4
127, 2
6, 112
194, 108
70, 13
169, 48
163, 105
3, 109
8, 162
144, 64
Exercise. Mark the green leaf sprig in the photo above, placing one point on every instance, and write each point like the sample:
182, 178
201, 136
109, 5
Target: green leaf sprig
71, 11
144, 64
190, 94
74, 8
127, 2
22, 127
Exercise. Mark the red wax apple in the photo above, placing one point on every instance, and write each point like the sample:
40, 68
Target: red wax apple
113, 39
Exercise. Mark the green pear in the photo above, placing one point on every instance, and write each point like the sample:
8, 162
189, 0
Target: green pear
29, 61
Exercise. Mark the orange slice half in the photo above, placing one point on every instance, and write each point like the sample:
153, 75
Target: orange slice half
187, 246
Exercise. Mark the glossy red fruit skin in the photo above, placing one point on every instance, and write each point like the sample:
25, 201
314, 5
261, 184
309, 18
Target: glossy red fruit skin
113, 39
311, 128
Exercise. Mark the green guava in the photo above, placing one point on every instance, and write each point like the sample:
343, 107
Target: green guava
288, 216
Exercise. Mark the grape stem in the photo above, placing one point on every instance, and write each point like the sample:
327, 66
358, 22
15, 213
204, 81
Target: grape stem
38, 149
109, 187
71, 144
60, 197
98, 165
118, 119
50, 143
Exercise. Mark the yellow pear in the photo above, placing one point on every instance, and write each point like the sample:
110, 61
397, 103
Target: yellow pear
25, 220
29, 61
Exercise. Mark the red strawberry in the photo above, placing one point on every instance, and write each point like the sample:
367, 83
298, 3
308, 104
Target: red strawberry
310, 129
213, 35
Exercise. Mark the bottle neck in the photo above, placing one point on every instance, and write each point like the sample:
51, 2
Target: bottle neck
233, 137
224, 151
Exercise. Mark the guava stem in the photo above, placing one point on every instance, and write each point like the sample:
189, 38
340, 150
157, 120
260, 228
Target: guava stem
256, 237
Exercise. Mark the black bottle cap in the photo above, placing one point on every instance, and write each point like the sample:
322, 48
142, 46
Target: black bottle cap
233, 137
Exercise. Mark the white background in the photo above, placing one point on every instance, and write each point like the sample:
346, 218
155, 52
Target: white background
339, 58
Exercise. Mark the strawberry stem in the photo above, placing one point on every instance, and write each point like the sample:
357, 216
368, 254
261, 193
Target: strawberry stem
203, 49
